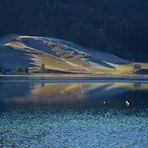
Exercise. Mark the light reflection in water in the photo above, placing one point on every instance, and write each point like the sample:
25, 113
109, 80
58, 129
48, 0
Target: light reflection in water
42, 124
79, 94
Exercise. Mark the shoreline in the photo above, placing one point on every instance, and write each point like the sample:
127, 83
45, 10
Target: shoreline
74, 78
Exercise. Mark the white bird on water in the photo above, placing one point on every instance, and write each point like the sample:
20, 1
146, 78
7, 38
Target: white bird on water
128, 103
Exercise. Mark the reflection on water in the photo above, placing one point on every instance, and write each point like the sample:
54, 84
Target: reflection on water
75, 94
65, 115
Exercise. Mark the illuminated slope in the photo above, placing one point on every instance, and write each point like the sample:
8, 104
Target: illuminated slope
58, 55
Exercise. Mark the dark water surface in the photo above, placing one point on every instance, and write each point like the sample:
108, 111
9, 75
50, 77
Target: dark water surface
74, 115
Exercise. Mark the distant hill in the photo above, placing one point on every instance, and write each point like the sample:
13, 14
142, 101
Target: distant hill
119, 27
58, 55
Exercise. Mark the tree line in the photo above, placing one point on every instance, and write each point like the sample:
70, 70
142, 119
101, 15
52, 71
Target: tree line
21, 69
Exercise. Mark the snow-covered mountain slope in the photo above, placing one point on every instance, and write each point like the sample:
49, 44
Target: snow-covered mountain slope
58, 55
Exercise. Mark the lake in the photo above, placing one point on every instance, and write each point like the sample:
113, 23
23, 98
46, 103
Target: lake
74, 114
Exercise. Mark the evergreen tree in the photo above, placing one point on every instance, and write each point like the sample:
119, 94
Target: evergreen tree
42, 68
26, 70
19, 69
2, 69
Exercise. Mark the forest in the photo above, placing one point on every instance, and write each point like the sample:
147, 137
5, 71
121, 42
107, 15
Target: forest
115, 26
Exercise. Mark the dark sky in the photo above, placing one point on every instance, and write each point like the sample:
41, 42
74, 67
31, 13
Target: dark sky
115, 26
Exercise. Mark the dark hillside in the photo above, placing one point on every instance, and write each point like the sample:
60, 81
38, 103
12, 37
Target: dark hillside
116, 26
